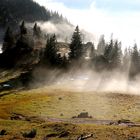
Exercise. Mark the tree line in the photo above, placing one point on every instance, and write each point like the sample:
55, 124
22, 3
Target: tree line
107, 56
13, 11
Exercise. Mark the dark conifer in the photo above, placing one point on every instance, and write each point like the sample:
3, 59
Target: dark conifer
76, 46
51, 50
23, 29
9, 40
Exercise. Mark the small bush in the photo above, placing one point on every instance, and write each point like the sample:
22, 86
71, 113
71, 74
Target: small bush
2, 132
30, 134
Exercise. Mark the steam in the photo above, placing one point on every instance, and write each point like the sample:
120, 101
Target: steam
100, 82
0, 48
64, 31
86, 79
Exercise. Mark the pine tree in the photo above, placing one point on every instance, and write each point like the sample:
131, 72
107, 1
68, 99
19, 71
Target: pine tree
23, 29
135, 55
126, 60
116, 55
76, 45
9, 40
92, 53
25, 42
101, 46
135, 62
113, 54
36, 31
51, 50
108, 51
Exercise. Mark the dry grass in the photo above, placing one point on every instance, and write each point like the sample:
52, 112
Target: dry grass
46, 102
52, 101
100, 132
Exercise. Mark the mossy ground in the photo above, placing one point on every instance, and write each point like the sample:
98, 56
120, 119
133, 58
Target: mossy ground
54, 101
100, 132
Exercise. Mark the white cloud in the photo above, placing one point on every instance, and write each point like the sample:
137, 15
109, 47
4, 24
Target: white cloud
125, 26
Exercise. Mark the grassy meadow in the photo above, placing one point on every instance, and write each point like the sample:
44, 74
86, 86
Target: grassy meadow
55, 102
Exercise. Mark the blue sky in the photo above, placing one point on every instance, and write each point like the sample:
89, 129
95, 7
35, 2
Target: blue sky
120, 17
110, 5
118, 5
78, 4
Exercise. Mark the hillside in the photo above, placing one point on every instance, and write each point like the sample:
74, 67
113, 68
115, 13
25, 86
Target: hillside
13, 11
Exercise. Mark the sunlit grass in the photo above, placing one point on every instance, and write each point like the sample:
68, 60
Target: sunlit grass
53, 102
58, 103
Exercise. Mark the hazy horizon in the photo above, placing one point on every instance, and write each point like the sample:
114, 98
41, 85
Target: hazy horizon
120, 18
